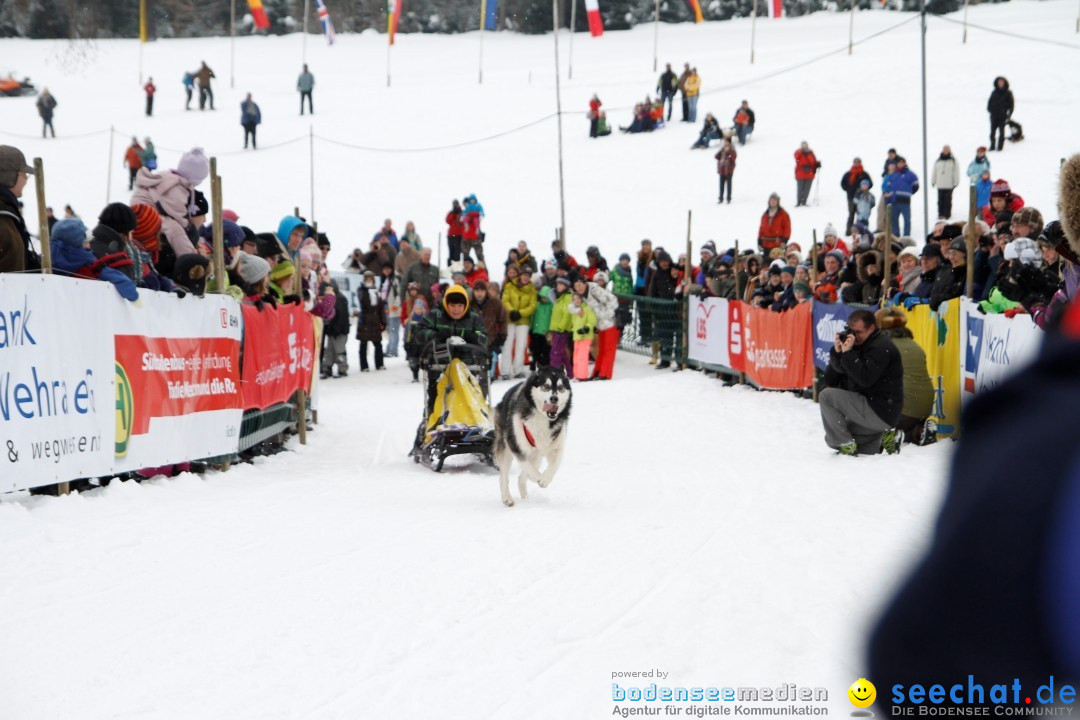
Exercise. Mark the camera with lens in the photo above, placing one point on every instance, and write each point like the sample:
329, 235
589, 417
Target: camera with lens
845, 333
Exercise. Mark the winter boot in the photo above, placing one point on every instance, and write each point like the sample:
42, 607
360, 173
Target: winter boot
928, 433
890, 441
848, 448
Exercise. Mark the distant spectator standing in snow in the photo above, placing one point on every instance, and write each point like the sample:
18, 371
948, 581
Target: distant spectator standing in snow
682, 88
204, 75
977, 166
454, 231
850, 183
472, 237
775, 228
1000, 107
150, 90
806, 167
149, 155
945, 178
725, 166
667, 85
594, 116
45, 106
864, 203
692, 89
133, 160
744, 122
305, 84
903, 183
189, 86
250, 117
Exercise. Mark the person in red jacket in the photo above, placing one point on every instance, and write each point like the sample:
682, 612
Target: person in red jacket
1001, 199
133, 160
474, 271
150, 90
454, 231
775, 228
725, 166
594, 116
806, 167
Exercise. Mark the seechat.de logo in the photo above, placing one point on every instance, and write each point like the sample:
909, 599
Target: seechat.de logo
125, 411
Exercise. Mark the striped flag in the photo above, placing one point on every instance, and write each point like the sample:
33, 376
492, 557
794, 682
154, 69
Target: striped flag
142, 21
776, 8
696, 7
324, 18
596, 24
259, 14
393, 14
488, 9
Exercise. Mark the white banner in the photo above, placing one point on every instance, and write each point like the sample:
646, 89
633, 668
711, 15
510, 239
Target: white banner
57, 398
178, 379
708, 342
995, 347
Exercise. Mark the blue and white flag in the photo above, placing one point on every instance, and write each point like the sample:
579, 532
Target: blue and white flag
490, 8
324, 18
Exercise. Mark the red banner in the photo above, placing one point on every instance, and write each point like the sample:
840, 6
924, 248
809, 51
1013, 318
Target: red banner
279, 354
775, 350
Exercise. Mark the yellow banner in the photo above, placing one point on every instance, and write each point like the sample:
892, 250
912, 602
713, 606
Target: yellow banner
938, 334
142, 20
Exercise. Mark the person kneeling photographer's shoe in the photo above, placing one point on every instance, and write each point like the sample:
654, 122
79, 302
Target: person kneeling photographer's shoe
865, 393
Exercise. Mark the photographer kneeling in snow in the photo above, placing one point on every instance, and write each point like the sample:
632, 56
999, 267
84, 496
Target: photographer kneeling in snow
865, 395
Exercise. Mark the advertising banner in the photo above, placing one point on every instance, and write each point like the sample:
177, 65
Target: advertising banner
995, 347
56, 380
938, 334
279, 354
829, 319
709, 331
177, 379
775, 350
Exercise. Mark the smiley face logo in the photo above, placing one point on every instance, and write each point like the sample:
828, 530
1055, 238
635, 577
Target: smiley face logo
862, 693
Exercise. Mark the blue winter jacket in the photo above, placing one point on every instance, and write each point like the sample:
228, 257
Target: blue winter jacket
70, 260
982, 193
903, 184
250, 116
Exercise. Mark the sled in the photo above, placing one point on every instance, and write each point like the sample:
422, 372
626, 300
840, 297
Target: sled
10, 87
459, 422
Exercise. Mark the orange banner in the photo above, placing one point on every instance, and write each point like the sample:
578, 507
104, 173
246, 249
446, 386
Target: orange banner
775, 350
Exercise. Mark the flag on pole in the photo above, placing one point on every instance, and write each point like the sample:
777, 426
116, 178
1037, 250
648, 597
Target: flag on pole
776, 8
696, 7
259, 14
142, 21
393, 14
596, 24
488, 8
324, 18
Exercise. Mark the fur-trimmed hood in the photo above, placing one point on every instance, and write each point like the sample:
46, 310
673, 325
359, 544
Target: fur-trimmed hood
1069, 201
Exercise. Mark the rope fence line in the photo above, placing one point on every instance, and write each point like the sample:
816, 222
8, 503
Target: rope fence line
1006, 33
440, 147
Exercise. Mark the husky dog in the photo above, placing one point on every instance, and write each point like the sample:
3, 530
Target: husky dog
530, 425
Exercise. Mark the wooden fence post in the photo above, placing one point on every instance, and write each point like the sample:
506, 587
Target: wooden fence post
221, 280
970, 244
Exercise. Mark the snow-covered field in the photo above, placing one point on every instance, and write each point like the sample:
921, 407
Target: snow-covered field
703, 531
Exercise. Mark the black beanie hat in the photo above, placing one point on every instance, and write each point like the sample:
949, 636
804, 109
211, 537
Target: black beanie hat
191, 271
119, 217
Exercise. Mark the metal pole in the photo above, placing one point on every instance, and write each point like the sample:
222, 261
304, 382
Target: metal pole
925, 162
971, 240
656, 38
483, 23
558, 110
108, 178
813, 261
886, 281
140, 63
220, 278
753, 32
388, 48
570, 57
965, 21
439, 257
311, 166
232, 44
851, 29
307, 11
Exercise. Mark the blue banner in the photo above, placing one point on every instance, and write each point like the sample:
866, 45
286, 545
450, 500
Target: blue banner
490, 8
829, 319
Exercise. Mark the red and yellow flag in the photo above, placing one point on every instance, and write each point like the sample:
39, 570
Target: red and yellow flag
696, 7
393, 14
259, 14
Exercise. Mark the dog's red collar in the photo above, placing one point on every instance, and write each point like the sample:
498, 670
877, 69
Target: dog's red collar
528, 435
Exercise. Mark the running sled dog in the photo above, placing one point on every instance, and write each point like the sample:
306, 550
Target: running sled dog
530, 427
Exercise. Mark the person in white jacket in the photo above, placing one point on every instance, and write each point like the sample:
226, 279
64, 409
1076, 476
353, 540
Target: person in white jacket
604, 303
945, 178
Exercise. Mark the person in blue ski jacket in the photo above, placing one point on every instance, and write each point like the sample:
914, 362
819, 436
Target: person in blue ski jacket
70, 256
903, 183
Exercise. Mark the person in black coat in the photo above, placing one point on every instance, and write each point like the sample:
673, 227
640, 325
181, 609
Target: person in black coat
372, 321
1005, 552
667, 85
865, 395
662, 286
1000, 107
335, 335
951, 281
849, 183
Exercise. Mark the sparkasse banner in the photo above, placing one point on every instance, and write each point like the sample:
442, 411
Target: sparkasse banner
56, 380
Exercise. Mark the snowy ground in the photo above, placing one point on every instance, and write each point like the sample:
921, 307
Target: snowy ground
619, 189
702, 530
